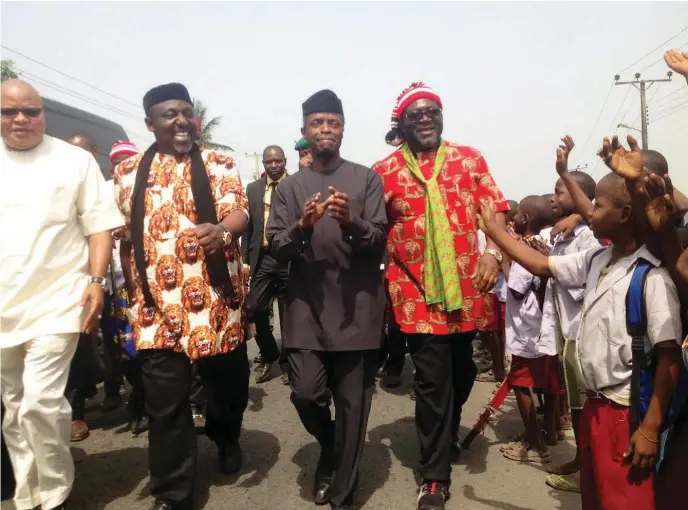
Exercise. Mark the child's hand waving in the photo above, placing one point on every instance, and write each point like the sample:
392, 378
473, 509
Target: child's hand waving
661, 208
627, 164
563, 152
487, 215
677, 61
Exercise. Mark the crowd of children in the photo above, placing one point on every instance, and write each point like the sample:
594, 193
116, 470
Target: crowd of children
570, 331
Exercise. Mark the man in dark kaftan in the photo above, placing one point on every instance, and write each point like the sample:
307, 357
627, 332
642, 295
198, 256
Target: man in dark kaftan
329, 222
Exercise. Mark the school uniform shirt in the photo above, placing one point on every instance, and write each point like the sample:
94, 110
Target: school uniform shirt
523, 316
52, 197
603, 347
562, 318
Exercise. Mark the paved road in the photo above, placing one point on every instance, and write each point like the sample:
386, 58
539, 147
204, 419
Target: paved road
279, 458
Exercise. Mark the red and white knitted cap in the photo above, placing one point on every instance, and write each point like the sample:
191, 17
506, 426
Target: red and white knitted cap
121, 148
417, 90
411, 94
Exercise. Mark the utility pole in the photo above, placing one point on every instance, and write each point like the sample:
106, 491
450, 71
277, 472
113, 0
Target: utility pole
257, 157
643, 86
579, 168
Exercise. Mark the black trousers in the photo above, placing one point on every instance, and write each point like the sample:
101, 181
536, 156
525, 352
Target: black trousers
350, 375
445, 373
268, 282
171, 436
83, 375
394, 350
197, 394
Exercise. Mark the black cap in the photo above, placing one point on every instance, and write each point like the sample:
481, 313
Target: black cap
324, 101
164, 93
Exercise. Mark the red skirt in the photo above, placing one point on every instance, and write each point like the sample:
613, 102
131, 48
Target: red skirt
536, 373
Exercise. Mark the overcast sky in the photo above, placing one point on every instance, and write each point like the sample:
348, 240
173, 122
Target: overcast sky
513, 77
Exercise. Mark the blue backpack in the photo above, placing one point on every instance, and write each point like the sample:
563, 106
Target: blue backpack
645, 365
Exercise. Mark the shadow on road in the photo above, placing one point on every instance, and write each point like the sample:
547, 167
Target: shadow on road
376, 464
260, 451
568, 501
106, 477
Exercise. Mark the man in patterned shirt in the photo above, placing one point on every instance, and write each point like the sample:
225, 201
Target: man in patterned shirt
436, 275
184, 209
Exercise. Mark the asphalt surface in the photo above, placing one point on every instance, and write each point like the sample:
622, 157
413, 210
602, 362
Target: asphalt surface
280, 457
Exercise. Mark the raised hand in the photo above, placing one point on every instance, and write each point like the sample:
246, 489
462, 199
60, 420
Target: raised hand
339, 206
661, 208
565, 227
677, 61
487, 215
627, 164
563, 152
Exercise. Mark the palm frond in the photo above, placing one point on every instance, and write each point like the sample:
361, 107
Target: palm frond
211, 125
218, 147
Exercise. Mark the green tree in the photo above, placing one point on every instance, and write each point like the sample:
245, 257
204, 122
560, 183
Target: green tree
208, 126
8, 70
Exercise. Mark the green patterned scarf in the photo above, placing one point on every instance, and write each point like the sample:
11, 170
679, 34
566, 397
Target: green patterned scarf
441, 276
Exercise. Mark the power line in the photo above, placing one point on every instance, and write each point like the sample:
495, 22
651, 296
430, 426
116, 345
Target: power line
661, 59
628, 90
672, 108
655, 49
71, 77
670, 113
592, 131
663, 98
673, 102
77, 95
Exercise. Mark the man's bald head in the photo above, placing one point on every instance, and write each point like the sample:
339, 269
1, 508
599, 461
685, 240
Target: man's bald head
85, 141
274, 161
23, 119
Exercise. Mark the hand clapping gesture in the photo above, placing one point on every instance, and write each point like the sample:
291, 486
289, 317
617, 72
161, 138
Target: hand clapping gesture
313, 211
627, 164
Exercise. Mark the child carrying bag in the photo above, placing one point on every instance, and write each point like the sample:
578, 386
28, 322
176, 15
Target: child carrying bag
645, 365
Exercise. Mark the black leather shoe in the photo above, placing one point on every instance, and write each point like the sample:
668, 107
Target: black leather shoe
161, 505
323, 480
139, 425
264, 372
230, 459
258, 360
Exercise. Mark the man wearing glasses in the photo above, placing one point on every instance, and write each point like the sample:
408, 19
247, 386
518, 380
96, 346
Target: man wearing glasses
56, 214
436, 276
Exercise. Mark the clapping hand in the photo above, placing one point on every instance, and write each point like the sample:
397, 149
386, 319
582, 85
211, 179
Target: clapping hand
627, 164
313, 210
339, 206
563, 152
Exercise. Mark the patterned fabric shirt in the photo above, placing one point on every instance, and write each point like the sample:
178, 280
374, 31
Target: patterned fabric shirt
200, 323
464, 180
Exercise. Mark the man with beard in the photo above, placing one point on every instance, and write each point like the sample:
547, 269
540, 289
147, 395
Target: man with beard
436, 276
185, 208
56, 214
328, 221
268, 277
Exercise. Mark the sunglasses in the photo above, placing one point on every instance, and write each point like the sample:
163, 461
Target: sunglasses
418, 115
11, 113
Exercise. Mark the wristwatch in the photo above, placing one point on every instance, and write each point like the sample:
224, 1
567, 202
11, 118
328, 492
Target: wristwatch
100, 281
496, 254
226, 236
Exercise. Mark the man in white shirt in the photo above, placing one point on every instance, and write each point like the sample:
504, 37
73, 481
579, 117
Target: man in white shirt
56, 214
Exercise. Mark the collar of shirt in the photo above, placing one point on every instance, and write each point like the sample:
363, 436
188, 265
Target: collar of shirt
269, 181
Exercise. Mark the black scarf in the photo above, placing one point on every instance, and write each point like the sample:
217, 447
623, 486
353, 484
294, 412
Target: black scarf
204, 203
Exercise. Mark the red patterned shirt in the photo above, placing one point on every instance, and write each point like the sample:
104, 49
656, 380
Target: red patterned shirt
463, 180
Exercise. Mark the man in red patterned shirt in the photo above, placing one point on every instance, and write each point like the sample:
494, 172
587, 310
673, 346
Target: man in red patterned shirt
436, 276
